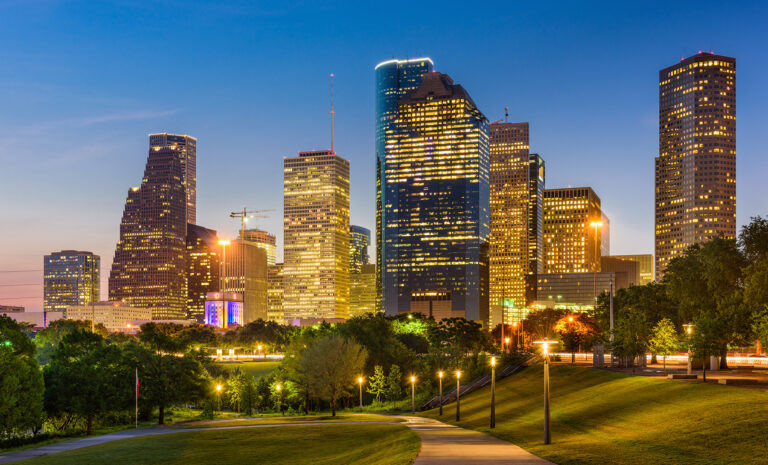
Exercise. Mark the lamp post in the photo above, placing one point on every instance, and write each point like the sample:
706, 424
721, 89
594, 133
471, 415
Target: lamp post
218, 397
493, 392
689, 330
545, 350
360, 383
258, 347
278, 388
440, 378
458, 395
413, 394
596, 225
506, 339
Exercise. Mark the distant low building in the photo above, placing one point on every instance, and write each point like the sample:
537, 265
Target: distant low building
114, 315
224, 309
647, 270
572, 291
11, 309
38, 320
437, 304
627, 271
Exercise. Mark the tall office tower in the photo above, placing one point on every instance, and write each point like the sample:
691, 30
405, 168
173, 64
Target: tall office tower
571, 245
436, 199
186, 148
275, 293
362, 291
536, 178
393, 79
316, 236
508, 239
245, 272
696, 166
203, 268
70, 277
359, 240
263, 240
149, 267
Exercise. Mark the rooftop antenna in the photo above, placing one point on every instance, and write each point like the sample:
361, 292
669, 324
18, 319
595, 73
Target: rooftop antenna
506, 114
332, 112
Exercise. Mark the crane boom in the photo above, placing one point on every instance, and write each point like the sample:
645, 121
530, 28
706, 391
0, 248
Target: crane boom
244, 214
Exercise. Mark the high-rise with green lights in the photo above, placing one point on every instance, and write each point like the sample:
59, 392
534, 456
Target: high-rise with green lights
436, 199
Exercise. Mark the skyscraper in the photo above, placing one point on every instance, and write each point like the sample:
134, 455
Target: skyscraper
203, 268
509, 197
571, 245
149, 267
275, 293
70, 277
186, 149
536, 177
263, 240
316, 236
359, 240
436, 199
393, 79
245, 273
696, 166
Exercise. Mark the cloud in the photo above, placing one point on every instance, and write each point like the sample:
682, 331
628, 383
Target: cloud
89, 121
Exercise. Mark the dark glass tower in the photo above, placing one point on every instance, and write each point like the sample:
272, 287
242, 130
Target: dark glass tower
359, 240
393, 79
436, 199
536, 177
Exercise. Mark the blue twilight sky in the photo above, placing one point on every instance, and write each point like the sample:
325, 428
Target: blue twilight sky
83, 83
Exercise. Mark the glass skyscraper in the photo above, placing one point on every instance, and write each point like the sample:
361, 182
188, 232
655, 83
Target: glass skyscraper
70, 278
203, 268
436, 199
359, 240
536, 179
393, 79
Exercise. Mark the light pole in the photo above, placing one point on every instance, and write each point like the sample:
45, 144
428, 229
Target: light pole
596, 225
413, 394
218, 397
278, 388
689, 330
458, 395
360, 383
545, 350
506, 339
258, 347
493, 392
440, 378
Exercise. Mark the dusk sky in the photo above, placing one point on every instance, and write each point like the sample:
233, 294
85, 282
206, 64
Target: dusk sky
82, 84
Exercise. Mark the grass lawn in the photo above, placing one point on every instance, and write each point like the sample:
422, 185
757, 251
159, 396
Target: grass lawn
273, 419
255, 369
290, 445
601, 417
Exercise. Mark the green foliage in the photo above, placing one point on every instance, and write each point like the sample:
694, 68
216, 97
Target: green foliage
653, 299
269, 334
394, 390
21, 382
631, 334
664, 340
760, 327
48, 339
540, 324
707, 338
573, 331
377, 383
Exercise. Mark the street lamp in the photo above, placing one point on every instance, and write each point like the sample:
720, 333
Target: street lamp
278, 388
596, 225
440, 377
360, 383
689, 330
218, 396
458, 395
258, 347
413, 394
545, 350
493, 392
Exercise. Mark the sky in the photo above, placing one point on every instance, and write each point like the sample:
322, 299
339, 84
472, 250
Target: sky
82, 84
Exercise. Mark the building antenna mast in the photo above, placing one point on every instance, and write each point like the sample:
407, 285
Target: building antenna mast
506, 114
332, 112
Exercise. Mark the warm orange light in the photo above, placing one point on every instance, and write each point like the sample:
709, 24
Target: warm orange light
440, 374
596, 224
224, 242
493, 361
458, 374
360, 380
218, 387
413, 379
506, 339
570, 318
278, 387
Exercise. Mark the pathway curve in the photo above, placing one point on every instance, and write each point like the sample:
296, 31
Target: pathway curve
451, 445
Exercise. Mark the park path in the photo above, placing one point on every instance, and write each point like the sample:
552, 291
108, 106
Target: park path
451, 445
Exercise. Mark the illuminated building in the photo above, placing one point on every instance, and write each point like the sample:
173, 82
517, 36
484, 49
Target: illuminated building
245, 273
275, 293
186, 149
645, 262
572, 291
437, 304
70, 277
436, 199
359, 240
696, 166
362, 291
571, 245
264, 240
393, 79
316, 236
509, 197
536, 178
149, 267
203, 267
626, 272
224, 309
115, 316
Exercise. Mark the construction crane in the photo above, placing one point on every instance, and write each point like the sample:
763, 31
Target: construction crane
244, 214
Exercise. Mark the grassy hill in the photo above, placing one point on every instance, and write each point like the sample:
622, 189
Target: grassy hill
601, 417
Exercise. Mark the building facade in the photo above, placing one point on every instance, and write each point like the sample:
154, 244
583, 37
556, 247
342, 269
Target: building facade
359, 240
394, 78
509, 197
696, 167
316, 236
275, 293
185, 148
203, 268
263, 240
362, 291
571, 245
244, 272
70, 277
115, 316
536, 178
149, 267
436, 199
646, 264
626, 272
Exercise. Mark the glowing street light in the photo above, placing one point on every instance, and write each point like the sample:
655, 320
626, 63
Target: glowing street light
493, 392
440, 377
413, 394
689, 330
545, 351
458, 395
218, 396
360, 383
278, 388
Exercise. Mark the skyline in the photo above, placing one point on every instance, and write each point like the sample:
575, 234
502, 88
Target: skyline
68, 166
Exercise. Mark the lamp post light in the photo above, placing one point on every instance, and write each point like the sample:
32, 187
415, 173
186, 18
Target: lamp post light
278, 388
440, 378
689, 330
258, 347
360, 383
413, 394
218, 397
493, 392
506, 339
596, 225
545, 350
458, 395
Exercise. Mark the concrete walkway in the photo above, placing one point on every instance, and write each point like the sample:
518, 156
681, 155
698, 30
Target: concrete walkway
450, 445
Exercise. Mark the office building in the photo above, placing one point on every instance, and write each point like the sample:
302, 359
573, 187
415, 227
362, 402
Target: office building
359, 240
696, 166
394, 78
224, 309
536, 177
203, 268
316, 236
70, 277
509, 197
362, 291
646, 265
115, 316
572, 291
626, 272
436, 199
263, 240
437, 304
275, 293
149, 267
244, 272
571, 243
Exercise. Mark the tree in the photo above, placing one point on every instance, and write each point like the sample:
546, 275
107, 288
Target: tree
663, 340
248, 394
48, 339
573, 330
235, 384
378, 382
394, 389
707, 340
631, 336
21, 382
760, 327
